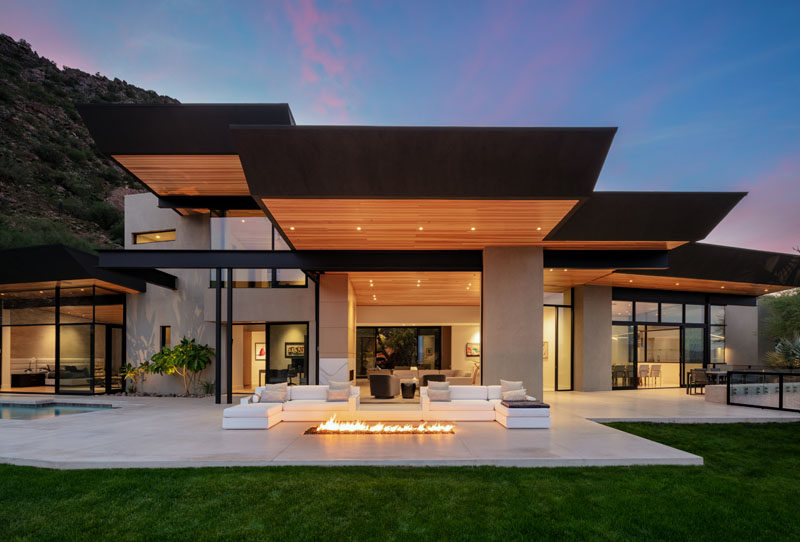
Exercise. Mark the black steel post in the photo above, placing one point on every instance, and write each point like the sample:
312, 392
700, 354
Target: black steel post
218, 345
229, 341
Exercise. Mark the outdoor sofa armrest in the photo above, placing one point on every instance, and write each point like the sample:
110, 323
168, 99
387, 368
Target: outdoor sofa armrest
245, 400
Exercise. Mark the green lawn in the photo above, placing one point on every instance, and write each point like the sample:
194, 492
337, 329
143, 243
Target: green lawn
747, 490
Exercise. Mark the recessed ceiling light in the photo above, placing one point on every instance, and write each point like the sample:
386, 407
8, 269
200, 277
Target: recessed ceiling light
723, 287
243, 221
358, 228
371, 285
420, 228
467, 287
158, 237
630, 280
551, 269
291, 228
539, 228
766, 289
677, 284
564, 269
418, 285
472, 228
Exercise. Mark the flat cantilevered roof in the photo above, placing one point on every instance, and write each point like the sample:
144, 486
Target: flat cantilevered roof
421, 161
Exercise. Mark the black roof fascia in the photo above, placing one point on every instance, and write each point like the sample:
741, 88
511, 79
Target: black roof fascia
175, 128
646, 216
670, 296
421, 161
215, 203
366, 260
730, 264
49, 263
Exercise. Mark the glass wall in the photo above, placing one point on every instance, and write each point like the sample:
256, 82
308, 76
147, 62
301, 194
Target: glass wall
244, 230
61, 340
655, 344
557, 341
398, 348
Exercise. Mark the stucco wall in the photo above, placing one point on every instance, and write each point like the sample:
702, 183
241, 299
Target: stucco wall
181, 309
512, 316
592, 356
741, 336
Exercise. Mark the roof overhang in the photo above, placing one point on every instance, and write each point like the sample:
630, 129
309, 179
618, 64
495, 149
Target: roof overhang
59, 265
675, 217
717, 269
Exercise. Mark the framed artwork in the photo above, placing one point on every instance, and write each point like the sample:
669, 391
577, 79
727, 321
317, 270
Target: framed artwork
473, 349
545, 350
261, 352
295, 350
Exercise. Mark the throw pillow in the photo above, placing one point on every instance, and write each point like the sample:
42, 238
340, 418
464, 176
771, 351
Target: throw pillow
508, 385
332, 385
274, 393
256, 398
338, 395
515, 395
438, 395
433, 385
272, 396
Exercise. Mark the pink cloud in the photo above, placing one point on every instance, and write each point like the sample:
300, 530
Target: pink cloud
324, 64
767, 218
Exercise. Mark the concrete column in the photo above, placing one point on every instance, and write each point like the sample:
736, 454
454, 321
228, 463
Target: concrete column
512, 316
592, 356
741, 336
337, 328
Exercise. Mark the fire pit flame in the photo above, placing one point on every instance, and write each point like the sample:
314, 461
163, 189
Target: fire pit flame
333, 426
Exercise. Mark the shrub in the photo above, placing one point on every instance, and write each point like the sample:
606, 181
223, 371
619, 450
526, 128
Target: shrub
786, 354
50, 154
186, 359
103, 214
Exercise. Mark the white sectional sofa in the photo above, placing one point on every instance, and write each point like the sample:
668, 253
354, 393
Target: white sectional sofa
482, 403
303, 403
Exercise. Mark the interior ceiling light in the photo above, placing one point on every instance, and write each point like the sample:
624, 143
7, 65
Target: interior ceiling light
551, 269
539, 228
472, 228
420, 228
418, 285
630, 280
243, 221
565, 270
723, 287
291, 228
677, 284
358, 228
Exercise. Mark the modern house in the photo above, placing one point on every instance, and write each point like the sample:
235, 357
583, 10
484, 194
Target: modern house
316, 253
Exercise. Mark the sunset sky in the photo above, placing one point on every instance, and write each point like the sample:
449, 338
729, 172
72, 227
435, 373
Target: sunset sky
706, 95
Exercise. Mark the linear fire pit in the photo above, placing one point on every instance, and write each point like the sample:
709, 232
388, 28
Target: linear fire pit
356, 427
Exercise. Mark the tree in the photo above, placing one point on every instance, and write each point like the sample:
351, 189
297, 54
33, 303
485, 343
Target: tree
186, 359
783, 321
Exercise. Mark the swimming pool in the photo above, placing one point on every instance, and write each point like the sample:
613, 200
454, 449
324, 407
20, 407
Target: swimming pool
33, 412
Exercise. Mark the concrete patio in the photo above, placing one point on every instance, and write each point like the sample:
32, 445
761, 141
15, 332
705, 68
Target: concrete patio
178, 432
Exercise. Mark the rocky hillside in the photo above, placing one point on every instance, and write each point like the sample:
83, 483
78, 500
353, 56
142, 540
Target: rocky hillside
55, 186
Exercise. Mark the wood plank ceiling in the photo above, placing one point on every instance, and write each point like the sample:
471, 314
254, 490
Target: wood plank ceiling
415, 224
188, 175
632, 280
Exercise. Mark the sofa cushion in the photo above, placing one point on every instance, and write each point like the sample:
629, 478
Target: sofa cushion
438, 395
464, 404
253, 410
338, 394
494, 392
273, 393
515, 395
433, 385
508, 385
314, 405
319, 393
333, 385
468, 392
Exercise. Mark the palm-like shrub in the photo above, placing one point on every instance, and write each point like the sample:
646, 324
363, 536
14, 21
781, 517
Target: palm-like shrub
186, 359
786, 354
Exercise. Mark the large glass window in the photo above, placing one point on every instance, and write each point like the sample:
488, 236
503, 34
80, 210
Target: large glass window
79, 349
622, 357
252, 231
646, 312
621, 311
695, 314
659, 356
672, 312
398, 348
